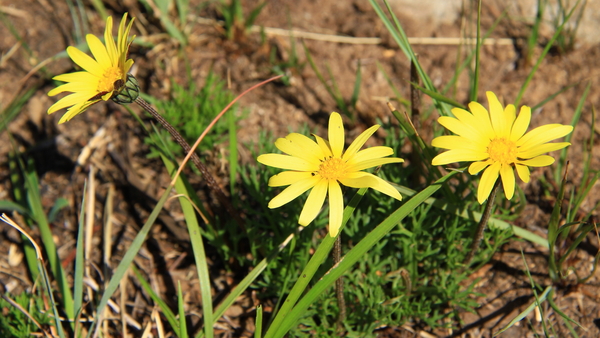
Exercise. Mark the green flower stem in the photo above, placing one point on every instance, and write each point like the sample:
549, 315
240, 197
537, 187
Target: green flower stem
310, 269
481, 226
210, 180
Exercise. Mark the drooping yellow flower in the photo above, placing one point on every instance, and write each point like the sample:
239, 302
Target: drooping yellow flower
103, 77
497, 141
322, 166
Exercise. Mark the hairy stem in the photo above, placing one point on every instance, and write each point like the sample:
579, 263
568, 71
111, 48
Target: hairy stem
481, 226
210, 180
339, 283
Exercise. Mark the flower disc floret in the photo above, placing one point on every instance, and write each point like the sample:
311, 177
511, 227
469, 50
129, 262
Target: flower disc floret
497, 142
322, 166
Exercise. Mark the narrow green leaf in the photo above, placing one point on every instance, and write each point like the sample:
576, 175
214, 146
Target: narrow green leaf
309, 271
182, 326
526, 311
164, 308
356, 253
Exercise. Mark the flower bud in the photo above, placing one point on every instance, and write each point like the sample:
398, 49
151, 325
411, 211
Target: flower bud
129, 92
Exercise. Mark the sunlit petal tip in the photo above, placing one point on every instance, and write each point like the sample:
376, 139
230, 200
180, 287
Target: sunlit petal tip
336, 134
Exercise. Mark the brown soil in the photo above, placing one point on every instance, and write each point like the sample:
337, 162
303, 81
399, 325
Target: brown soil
108, 139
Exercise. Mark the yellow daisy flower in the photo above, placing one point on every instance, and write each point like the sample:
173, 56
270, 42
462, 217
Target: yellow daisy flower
322, 166
102, 78
497, 141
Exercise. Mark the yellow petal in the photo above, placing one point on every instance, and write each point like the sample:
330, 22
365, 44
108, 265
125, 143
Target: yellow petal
68, 101
459, 155
306, 143
488, 179
286, 162
359, 142
85, 61
324, 145
98, 50
541, 149
77, 77
482, 118
127, 67
291, 148
111, 48
508, 180
81, 87
367, 180
336, 134
521, 124
373, 163
369, 154
459, 128
458, 142
336, 208
543, 134
499, 122
288, 177
540, 161
313, 204
466, 118
476, 167
76, 110
523, 172
290, 193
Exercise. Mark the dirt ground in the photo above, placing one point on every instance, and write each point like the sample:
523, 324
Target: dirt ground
108, 139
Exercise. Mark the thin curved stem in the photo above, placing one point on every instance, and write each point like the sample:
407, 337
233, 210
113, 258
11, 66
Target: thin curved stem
210, 180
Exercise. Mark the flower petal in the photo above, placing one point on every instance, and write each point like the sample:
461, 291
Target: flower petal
523, 172
541, 149
459, 155
369, 154
373, 163
458, 142
290, 193
73, 87
508, 180
483, 120
69, 100
499, 121
486, 184
288, 177
77, 77
288, 146
99, 51
76, 110
336, 208
286, 162
85, 61
459, 128
336, 134
521, 124
543, 134
367, 180
540, 161
470, 120
476, 167
313, 204
306, 143
359, 142
324, 145
111, 48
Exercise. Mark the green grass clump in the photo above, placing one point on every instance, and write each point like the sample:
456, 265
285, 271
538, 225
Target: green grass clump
190, 110
14, 323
